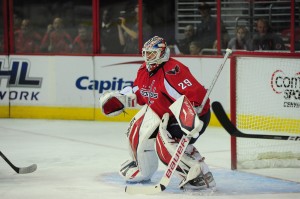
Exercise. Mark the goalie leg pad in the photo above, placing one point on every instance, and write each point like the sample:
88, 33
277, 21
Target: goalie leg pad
141, 138
166, 146
191, 163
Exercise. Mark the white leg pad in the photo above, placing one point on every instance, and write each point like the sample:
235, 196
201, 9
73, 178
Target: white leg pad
166, 146
141, 146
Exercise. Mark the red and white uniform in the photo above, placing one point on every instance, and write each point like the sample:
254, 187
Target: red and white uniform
160, 81
160, 88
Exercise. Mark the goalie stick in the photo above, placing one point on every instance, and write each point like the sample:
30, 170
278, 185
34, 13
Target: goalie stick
19, 170
182, 145
234, 131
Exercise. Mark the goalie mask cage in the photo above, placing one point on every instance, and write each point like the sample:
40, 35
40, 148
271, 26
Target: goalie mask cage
265, 99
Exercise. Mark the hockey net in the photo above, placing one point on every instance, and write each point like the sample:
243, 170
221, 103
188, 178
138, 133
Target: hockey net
265, 99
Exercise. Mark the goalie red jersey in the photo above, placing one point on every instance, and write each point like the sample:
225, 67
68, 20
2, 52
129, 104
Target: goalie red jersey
162, 86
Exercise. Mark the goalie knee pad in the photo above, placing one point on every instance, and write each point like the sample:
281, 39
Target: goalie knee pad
141, 136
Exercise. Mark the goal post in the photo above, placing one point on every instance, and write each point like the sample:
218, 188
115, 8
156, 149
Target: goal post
265, 99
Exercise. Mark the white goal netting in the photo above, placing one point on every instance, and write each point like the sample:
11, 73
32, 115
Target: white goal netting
267, 102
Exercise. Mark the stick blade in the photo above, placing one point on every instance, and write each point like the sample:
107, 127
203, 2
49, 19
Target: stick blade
223, 119
29, 169
234, 131
147, 190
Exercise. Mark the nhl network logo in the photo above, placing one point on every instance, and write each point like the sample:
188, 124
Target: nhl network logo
17, 76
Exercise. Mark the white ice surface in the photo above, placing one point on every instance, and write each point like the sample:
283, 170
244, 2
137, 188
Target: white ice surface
80, 160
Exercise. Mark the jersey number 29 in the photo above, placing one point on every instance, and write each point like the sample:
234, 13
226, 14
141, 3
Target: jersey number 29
185, 84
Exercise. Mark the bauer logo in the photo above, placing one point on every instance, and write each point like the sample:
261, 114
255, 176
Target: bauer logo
287, 86
87, 83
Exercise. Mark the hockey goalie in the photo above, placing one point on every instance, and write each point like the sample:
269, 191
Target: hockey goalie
154, 132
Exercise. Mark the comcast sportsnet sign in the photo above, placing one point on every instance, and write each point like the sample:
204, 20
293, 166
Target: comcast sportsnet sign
287, 86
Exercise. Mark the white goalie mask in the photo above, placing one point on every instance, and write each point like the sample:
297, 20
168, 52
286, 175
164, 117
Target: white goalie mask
155, 52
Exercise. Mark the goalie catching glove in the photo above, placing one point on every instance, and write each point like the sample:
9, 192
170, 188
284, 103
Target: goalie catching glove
114, 103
